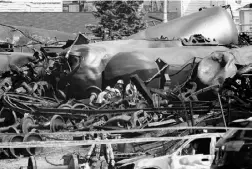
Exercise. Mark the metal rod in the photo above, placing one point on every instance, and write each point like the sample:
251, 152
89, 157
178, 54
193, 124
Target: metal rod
229, 110
191, 112
224, 120
184, 106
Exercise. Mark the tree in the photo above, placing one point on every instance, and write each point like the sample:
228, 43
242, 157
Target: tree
120, 18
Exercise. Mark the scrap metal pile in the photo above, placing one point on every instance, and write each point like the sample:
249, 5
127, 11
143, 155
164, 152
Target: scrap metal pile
30, 104
129, 84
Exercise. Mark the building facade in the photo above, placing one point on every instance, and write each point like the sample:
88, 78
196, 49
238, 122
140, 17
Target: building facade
31, 6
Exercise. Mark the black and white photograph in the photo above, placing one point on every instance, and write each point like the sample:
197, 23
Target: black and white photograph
122, 84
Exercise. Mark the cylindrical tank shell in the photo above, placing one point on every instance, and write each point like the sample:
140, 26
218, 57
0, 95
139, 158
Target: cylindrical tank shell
95, 60
214, 23
125, 64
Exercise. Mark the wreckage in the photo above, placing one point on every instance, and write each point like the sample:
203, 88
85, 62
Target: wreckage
92, 59
153, 82
99, 55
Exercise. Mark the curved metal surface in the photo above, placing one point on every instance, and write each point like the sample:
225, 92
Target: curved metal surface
138, 43
16, 152
212, 23
144, 59
96, 57
33, 137
27, 124
125, 64
57, 123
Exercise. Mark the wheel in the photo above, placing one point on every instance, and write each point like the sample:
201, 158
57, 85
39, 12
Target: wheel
79, 106
92, 89
57, 123
33, 137
27, 124
8, 152
16, 152
65, 106
142, 105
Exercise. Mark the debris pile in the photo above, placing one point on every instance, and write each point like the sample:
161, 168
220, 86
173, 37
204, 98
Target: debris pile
37, 98
32, 103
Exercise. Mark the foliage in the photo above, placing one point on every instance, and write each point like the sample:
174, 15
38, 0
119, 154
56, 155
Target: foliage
121, 18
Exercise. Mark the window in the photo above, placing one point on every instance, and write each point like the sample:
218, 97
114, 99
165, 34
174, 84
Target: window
65, 9
197, 146
153, 6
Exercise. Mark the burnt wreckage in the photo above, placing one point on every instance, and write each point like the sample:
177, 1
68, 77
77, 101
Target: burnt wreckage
196, 73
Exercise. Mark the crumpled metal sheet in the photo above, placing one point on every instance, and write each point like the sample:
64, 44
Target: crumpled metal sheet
101, 56
175, 57
219, 65
214, 23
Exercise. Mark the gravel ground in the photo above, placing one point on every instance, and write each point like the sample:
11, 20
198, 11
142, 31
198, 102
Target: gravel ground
53, 155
